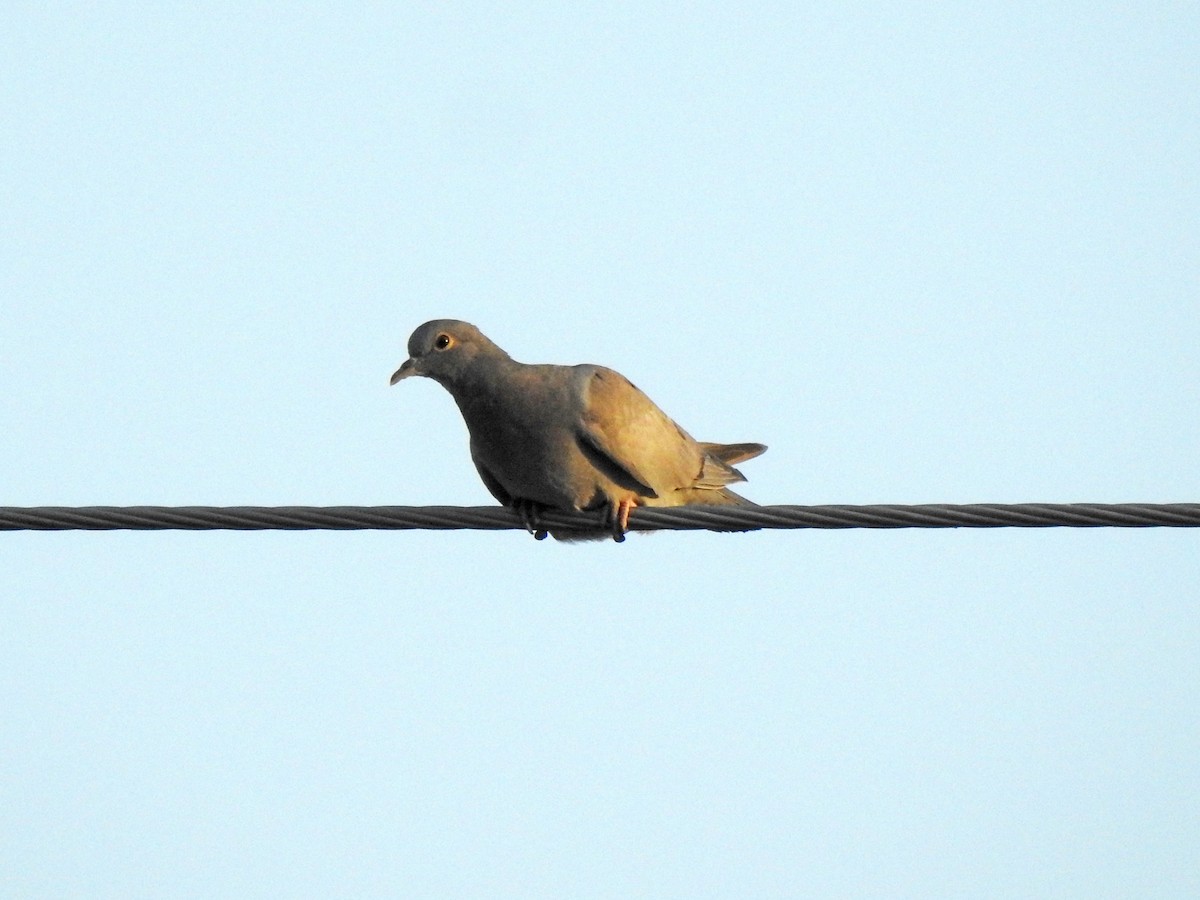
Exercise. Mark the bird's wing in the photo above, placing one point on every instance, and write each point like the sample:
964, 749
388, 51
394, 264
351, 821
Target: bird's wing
636, 444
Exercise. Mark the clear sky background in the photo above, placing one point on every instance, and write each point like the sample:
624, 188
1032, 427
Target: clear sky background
926, 252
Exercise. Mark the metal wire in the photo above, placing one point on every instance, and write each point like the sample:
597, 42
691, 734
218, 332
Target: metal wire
497, 518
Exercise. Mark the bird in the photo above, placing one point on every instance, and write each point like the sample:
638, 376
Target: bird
558, 437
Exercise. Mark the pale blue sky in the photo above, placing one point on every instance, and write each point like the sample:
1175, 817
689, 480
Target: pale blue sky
926, 252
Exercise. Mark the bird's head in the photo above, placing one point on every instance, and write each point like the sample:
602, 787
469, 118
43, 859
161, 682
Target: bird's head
446, 350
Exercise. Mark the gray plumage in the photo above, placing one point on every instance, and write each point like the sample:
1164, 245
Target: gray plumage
569, 437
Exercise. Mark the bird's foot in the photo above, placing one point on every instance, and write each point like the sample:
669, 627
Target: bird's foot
529, 511
617, 518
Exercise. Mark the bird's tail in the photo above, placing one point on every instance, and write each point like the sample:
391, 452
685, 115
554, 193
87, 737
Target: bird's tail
732, 454
717, 469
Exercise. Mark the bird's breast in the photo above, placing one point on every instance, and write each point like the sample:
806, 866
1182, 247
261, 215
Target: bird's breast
526, 438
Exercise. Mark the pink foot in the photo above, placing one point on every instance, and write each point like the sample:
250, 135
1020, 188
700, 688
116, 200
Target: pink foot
620, 518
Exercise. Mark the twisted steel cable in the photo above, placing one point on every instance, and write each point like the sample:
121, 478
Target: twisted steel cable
496, 518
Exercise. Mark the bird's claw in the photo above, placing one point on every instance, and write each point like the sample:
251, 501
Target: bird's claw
528, 511
617, 518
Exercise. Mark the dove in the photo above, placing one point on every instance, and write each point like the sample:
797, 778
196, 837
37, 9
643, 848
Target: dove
577, 437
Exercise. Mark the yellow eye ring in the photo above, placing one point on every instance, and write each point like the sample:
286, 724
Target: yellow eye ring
442, 342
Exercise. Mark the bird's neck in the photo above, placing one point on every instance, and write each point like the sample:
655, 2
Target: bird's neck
484, 383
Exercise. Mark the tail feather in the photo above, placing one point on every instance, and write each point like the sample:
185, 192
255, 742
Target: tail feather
732, 454
717, 468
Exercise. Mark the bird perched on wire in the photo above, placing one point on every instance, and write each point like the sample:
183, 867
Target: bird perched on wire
569, 437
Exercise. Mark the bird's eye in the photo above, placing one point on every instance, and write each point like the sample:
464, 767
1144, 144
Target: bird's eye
441, 342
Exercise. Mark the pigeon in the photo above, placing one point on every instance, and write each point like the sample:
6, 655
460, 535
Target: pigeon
552, 437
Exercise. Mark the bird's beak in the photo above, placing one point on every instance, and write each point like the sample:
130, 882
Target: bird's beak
409, 367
